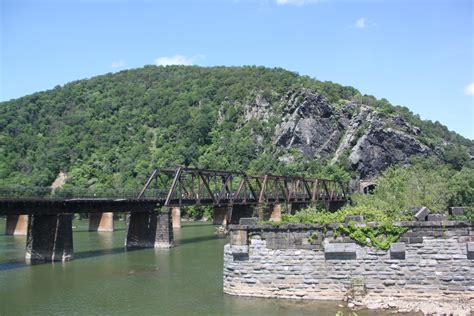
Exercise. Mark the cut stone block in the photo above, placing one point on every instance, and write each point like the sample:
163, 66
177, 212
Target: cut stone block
240, 253
470, 250
415, 240
415, 209
247, 221
238, 237
457, 211
353, 218
240, 256
397, 251
436, 217
340, 251
422, 214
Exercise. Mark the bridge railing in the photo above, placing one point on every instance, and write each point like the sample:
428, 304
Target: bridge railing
74, 193
25, 192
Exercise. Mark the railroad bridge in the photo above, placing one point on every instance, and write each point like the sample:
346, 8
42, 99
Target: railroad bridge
45, 215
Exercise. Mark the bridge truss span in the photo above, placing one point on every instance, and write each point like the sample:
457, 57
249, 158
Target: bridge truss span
192, 186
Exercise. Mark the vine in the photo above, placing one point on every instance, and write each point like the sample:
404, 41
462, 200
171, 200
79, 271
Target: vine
379, 237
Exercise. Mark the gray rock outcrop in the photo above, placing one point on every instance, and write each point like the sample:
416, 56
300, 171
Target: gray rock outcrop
368, 140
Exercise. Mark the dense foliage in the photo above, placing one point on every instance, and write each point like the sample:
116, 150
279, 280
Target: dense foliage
422, 184
195, 212
398, 191
111, 131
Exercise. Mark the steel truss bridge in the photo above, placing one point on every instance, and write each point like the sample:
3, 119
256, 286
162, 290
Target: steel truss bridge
181, 186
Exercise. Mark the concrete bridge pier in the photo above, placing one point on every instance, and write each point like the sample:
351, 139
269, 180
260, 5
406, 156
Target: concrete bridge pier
49, 238
17, 225
150, 230
176, 216
101, 222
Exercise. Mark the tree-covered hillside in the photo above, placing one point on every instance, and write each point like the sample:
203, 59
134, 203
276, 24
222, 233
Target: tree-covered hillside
112, 130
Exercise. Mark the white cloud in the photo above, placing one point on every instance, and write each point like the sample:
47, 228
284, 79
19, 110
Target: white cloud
177, 60
118, 64
296, 2
469, 90
360, 23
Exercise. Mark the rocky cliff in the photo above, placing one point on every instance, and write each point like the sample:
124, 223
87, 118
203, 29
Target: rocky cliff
368, 140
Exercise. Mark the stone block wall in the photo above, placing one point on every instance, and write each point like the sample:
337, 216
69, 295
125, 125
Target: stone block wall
433, 260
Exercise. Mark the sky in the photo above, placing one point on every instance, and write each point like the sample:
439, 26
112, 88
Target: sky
415, 53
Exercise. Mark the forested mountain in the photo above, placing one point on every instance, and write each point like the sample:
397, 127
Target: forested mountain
112, 130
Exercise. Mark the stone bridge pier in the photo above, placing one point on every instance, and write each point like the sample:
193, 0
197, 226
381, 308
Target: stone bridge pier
49, 238
270, 212
176, 217
222, 215
16, 225
150, 229
273, 212
101, 222
231, 214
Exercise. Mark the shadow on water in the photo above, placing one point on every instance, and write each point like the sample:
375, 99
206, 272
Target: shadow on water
197, 239
14, 264
183, 225
20, 263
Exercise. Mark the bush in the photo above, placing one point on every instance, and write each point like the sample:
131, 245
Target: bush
322, 217
194, 212
402, 188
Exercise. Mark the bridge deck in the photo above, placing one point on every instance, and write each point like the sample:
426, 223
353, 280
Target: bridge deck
20, 206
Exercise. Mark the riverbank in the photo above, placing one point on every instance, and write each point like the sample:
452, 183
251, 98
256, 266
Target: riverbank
406, 304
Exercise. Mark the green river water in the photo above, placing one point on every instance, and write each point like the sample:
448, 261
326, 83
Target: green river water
104, 279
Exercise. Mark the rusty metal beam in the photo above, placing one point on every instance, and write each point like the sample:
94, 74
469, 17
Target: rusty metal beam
173, 186
147, 184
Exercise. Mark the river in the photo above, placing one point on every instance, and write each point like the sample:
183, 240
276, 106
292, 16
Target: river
103, 279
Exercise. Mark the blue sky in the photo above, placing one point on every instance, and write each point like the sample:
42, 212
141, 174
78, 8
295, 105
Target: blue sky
416, 53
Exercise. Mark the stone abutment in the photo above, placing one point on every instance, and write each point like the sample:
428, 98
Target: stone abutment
433, 260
